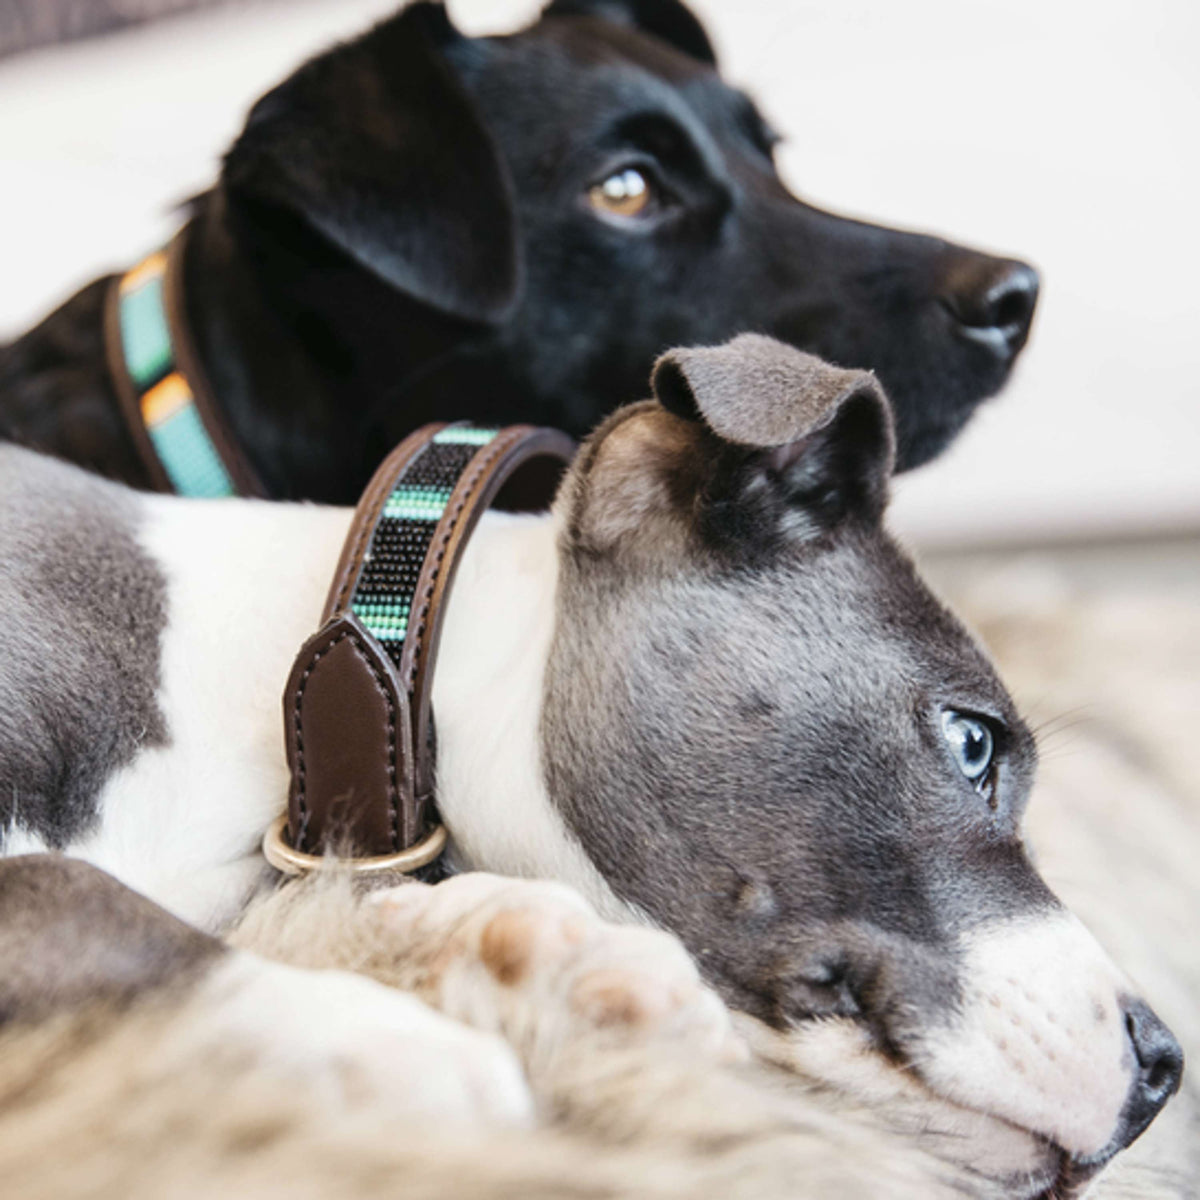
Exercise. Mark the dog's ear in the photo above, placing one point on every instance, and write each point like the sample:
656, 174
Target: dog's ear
800, 444
377, 147
751, 446
665, 19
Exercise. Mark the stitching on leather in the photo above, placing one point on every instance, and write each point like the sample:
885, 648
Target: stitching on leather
393, 791
383, 489
416, 634
497, 448
236, 461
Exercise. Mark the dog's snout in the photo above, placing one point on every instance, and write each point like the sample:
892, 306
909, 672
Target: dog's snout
1158, 1069
991, 302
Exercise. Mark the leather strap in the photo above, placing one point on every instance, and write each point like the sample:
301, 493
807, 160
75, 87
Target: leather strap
357, 707
180, 432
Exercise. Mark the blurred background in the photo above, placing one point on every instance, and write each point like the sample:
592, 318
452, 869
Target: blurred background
1063, 133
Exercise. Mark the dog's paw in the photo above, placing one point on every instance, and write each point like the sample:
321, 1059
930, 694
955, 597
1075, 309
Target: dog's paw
354, 1043
531, 960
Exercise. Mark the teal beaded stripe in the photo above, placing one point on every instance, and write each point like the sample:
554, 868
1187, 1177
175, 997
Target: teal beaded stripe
417, 503
145, 337
189, 457
383, 594
464, 435
387, 620
165, 401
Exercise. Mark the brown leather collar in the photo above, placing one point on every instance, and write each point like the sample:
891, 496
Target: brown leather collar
181, 434
358, 719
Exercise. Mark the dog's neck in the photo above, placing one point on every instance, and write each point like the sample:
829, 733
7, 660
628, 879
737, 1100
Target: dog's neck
487, 702
246, 582
307, 351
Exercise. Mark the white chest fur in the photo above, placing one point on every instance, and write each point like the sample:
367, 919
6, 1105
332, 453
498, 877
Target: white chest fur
487, 702
245, 585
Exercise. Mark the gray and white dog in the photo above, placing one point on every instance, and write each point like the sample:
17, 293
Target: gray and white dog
708, 691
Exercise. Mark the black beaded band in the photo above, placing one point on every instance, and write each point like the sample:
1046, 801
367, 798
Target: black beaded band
383, 593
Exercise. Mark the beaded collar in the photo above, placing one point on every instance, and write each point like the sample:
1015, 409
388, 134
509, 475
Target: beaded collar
180, 432
358, 717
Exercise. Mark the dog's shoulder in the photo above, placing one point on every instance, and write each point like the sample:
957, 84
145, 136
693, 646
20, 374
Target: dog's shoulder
62, 356
56, 393
83, 606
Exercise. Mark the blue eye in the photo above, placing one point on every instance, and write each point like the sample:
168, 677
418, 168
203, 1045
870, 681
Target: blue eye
971, 742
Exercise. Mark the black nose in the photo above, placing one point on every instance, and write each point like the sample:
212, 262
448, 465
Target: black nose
1158, 1068
991, 301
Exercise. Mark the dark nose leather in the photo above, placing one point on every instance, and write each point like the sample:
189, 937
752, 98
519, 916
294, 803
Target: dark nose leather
991, 302
1157, 1072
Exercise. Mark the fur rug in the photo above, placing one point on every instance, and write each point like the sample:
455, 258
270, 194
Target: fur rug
1106, 666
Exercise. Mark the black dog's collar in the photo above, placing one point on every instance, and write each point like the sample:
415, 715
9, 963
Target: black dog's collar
357, 708
180, 432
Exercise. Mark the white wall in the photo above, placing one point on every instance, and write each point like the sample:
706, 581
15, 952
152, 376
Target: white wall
1064, 132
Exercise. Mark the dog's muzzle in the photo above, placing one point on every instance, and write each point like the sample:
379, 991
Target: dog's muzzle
1049, 1037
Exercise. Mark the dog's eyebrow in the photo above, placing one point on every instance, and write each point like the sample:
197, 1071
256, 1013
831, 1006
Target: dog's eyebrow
660, 134
753, 124
733, 113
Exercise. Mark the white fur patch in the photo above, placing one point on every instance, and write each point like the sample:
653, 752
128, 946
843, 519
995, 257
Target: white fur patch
1040, 1039
245, 585
487, 701
840, 1052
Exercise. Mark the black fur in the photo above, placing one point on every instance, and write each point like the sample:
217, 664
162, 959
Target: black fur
402, 233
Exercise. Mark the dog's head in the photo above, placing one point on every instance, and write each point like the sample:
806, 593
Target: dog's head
534, 218
770, 737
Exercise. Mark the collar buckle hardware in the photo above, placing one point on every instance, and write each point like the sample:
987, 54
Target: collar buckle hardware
288, 861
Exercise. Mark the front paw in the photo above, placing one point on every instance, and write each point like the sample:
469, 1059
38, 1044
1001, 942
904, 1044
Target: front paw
531, 960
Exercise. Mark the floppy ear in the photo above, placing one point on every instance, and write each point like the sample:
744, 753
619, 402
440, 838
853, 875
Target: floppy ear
377, 147
665, 19
800, 443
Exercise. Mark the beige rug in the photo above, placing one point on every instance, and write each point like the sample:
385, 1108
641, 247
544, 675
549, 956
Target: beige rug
1101, 649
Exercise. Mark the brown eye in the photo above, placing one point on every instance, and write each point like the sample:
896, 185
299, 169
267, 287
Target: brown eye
625, 193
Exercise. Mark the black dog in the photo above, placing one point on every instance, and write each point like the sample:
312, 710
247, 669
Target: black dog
419, 225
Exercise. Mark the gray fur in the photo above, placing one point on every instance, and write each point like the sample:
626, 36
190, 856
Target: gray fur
72, 935
756, 391
742, 707
83, 610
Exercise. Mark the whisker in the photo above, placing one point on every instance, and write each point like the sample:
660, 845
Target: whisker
1063, 723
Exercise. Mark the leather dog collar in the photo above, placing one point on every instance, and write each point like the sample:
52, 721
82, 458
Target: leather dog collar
180, 432
357, 711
